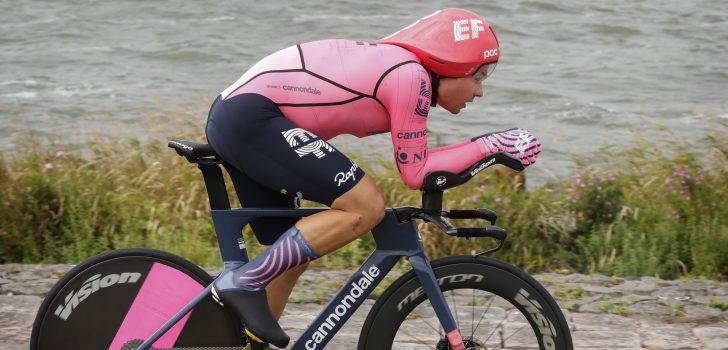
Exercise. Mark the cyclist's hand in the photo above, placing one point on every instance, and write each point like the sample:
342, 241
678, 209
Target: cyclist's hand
518, 142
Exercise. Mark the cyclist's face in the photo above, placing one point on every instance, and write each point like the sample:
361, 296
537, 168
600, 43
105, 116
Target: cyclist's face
454, 93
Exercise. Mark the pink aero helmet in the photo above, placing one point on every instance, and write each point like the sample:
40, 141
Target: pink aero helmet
451, 42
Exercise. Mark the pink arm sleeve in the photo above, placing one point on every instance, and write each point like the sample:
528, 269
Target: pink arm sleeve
406, 93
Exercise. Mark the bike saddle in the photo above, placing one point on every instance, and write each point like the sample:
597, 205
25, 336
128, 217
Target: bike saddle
193, 151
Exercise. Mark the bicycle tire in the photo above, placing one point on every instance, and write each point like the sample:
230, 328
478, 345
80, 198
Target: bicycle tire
114, 297
392, 320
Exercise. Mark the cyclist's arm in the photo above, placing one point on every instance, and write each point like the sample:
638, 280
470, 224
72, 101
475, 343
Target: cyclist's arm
406, 93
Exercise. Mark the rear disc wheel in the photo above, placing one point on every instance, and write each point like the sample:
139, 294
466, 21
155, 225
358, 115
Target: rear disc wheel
127, 294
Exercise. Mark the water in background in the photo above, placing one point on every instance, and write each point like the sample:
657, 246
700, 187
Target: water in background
578, 74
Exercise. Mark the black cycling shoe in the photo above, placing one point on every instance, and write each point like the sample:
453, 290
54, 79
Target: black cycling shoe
254, 312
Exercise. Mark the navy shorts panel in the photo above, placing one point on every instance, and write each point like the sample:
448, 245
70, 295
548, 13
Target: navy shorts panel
276, 160
253, 195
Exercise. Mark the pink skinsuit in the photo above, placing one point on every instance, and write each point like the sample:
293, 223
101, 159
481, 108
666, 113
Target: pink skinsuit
334, 87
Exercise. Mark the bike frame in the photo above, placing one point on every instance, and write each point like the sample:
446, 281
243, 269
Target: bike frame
394, 240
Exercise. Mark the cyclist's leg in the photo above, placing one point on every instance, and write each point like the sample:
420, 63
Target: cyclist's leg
279, 155
267, 230
280, 289
352, 215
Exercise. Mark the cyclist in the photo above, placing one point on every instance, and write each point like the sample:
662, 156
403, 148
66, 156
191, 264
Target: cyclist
272, 125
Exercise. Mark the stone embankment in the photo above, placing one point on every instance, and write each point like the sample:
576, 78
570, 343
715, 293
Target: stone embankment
603, 312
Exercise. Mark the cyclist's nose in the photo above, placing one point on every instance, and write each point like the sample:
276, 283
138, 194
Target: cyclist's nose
479, 90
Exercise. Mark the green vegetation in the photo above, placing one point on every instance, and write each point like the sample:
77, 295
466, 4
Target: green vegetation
568, 293
677, 310
647, 210
721, 305
614, 306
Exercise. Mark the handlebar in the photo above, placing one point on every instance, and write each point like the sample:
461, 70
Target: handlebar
442, 180
440, 220
481, 213
437, 182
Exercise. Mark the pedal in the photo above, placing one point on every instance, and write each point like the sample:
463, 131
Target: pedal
254, 342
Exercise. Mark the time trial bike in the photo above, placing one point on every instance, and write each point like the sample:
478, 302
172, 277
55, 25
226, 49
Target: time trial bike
143, 299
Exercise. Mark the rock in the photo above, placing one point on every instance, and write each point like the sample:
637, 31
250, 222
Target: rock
57, 271
654, 280
606, 339
299, 322
594, 308
633, 298
637, 287
596, 289
694, 288
567, 317
595, 322
668, 337
585, 279
579, 304
709, 300
649, 309
714, 337
699, 314
722, 289
25, 276
14, 338
672, 292
19, 310
600, 323
29, 287
571, 305
17, 314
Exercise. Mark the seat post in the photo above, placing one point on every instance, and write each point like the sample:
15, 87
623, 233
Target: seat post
209, 163
215, 184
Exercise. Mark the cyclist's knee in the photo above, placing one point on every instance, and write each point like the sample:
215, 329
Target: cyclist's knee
377, 207
366, 201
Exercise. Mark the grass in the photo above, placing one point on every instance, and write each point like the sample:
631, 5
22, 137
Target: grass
646, 210
614, 306
568, 293
722, 306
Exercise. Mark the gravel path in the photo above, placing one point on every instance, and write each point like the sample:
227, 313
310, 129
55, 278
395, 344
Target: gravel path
604, 312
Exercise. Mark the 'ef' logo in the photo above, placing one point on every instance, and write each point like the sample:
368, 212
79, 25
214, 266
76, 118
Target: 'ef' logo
460, 29
306, 142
